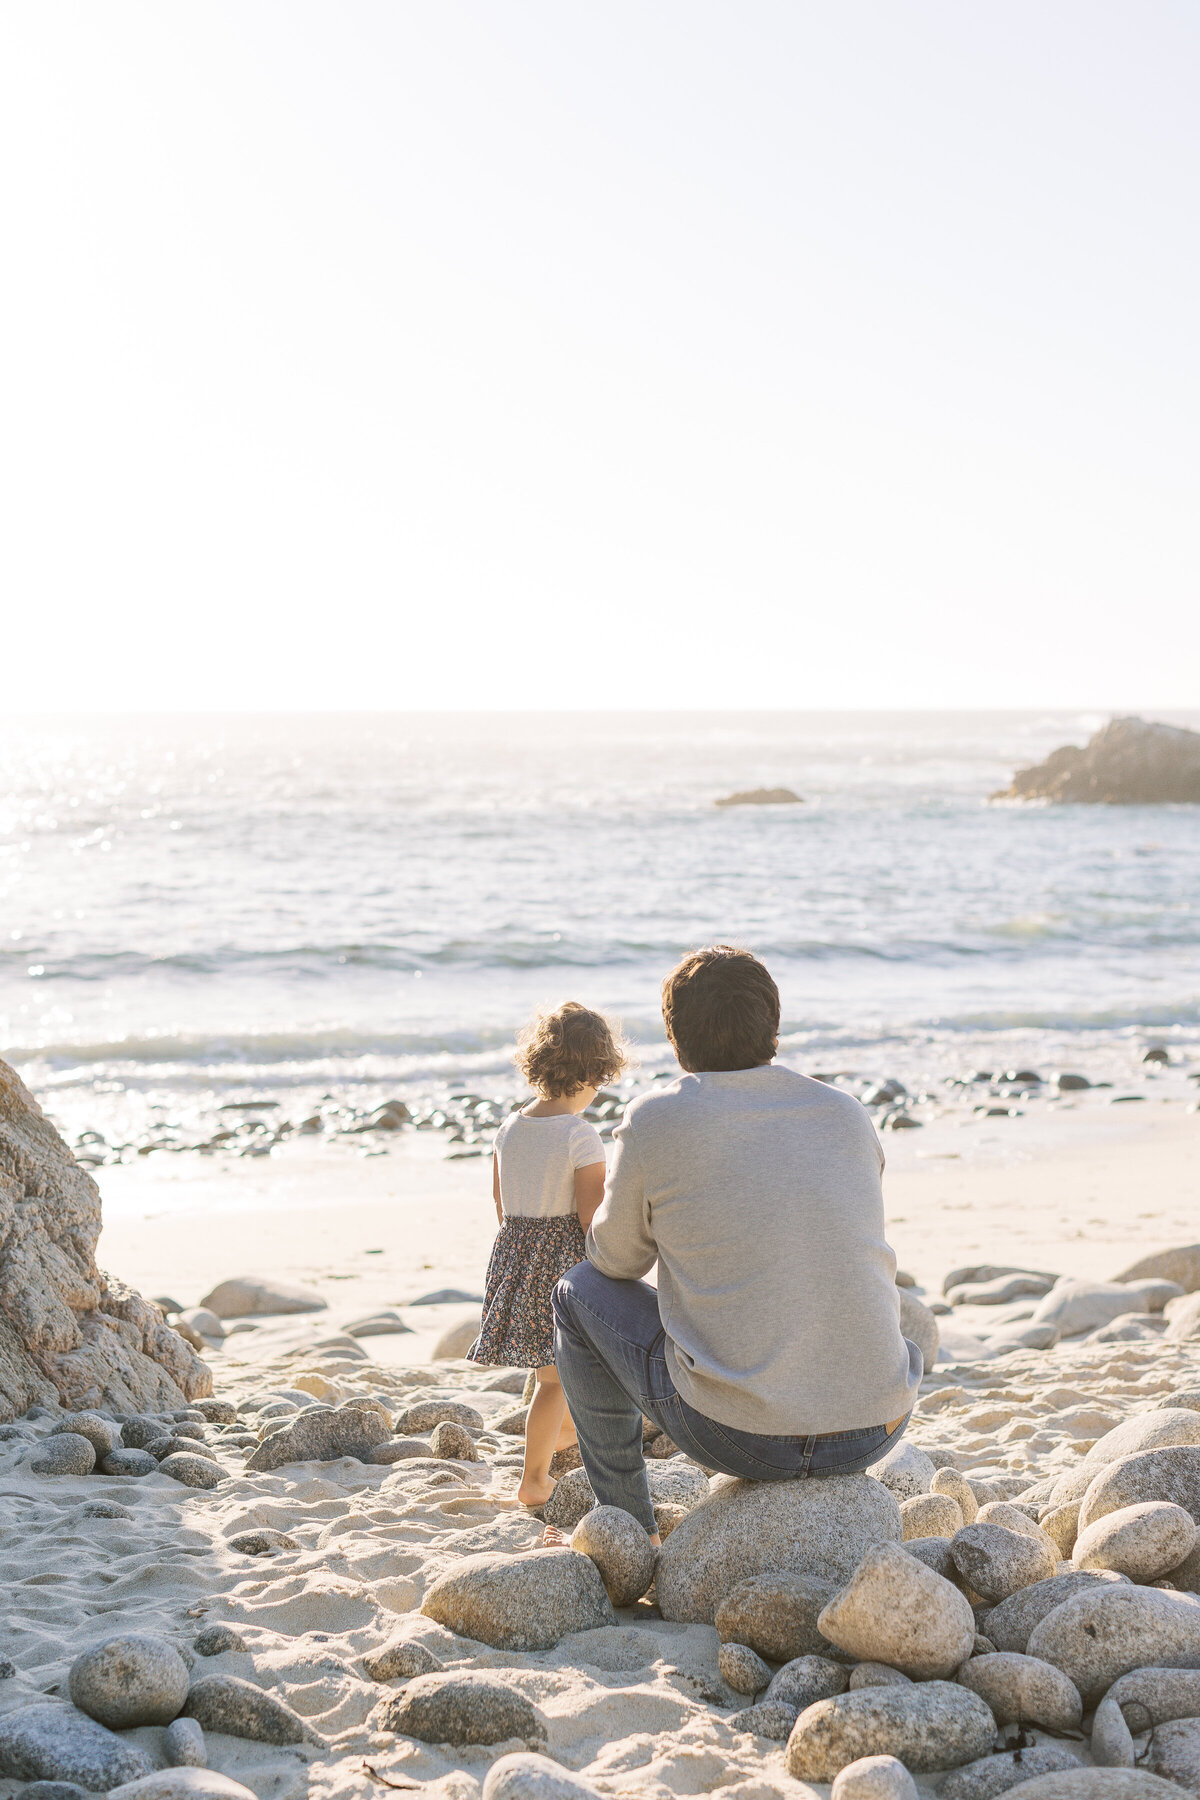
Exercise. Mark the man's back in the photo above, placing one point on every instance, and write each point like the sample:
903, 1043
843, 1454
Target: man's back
758, 1191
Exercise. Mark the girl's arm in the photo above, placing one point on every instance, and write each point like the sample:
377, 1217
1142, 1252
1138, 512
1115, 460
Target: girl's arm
496, 1187
589, 1191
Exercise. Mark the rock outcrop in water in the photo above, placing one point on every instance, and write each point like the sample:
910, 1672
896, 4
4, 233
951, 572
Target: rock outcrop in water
761, 797
1130, 762
68, 1334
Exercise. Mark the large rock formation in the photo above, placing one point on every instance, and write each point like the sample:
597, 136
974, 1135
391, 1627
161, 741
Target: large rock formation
68, 1334
779, 796
1130, 762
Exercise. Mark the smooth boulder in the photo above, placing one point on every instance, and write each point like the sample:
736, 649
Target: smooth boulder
930, 1515
48, 1742
321, 1437
136, 1679
993, 1775
466, 1707
184, 1784
425, 1415
621, 1549
1010, 1624
1096, 1784
874, 1778
1096, 1637
743, 1528
1174, 1753
66, 1453
1145, 1541
239, 1709
1152, 1430
527, 1602
776, 1615
906, 1471
931, 1725
997, 1562
1024, 1690
524, 1775
246, 1296
743, 1669
1172, 1473
1181, 1265
894, 1610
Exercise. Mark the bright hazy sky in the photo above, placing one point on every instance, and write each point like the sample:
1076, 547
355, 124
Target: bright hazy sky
440, 353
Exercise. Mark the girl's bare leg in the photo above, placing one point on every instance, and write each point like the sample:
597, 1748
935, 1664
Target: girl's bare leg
542, 1428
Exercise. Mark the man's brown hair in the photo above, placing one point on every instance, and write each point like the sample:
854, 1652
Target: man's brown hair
721, 1010
568, 1049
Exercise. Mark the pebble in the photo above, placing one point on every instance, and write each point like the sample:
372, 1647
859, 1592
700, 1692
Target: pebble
743, 1528
47, 1742
621, 1549
874, 1674
191, 1470
524, 1775
239, 1709
1144, 1542
7, 1669
993, 1775
874, 1778
263, 1542
465, 1707
453, 1441
102, 1434
905, 1471
135, 1679
214, 1640
776, 1615
805, 1679
956, 1487
997, 1562
216, 1412
931, 1725
895, 1610
183, 1744
68, 1454
1098, 1636
426, 1415
399, 1660
1009, 1625
139, 1431
743, 1669
766, 1720
1172, 1473
105, 1509
526, 1602
1024, 1690
128, 1461
400, 1449
930, 1516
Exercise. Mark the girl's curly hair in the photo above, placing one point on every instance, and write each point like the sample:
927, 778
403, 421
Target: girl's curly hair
570, 1048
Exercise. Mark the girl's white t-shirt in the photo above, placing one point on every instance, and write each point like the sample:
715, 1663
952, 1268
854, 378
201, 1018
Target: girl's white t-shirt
538, 1158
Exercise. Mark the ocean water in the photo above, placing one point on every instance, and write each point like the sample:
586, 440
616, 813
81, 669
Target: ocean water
208, 906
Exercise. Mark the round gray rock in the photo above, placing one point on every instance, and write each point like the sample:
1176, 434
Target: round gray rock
674, 1483
526, 1776
134, 1462
53, 1790
776, 1615
239, 1709
47, 1742
956, 1487
1144, 1542
1149, 1697
997, 1562
1171, 1474
770, 1721
1174, 1753
930, 1516
1024, 1690
1099, 1636
873, 1674
1061, 1526
1154, 1430
874, 1778
895, 1610
135, 1679
400, 1660
742, 1669
994, 1775
426, 1415
453, 1441
65, 1453
1009, 1625
102, 1434
526, 1602
191, 1470
214, 1640
905, 1471
621, 1549
466, 1707
183, 1743
743, 1528
931, 1725
805, 1679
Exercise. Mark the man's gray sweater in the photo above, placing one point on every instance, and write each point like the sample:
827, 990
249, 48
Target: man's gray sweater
758, 1193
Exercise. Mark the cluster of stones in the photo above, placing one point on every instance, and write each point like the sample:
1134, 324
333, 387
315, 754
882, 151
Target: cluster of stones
134, 1680
176, 1443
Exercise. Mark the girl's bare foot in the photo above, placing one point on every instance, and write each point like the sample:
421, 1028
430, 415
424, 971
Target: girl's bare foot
535, 1491
553, 1539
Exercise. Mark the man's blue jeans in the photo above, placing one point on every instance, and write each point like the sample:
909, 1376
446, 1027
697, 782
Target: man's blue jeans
609, 1348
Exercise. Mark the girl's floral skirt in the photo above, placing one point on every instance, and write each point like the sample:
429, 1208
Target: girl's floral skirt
528, 1258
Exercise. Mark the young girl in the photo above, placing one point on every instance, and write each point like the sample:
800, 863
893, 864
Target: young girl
547, 1182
